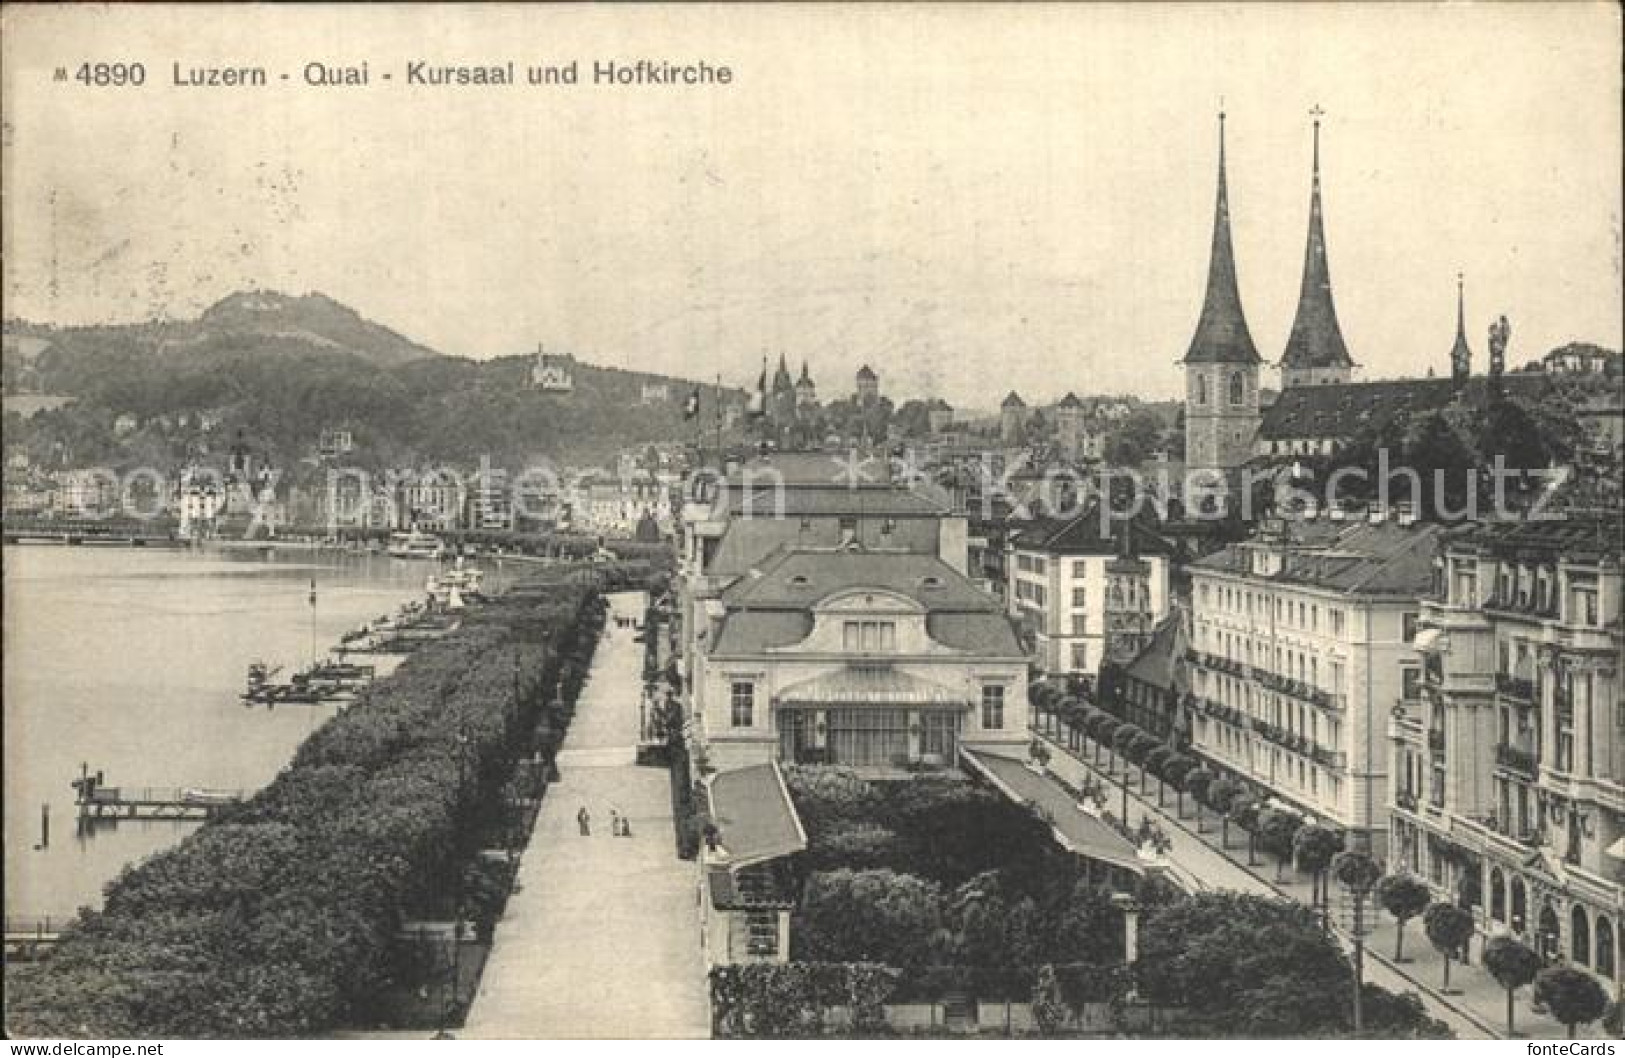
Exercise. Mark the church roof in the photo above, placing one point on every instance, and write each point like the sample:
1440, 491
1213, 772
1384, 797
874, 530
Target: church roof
1316, 340
866, 375
781, 377
1461, 353
1344, 410
1013, 400
806, 378
1070, 401
1221, 333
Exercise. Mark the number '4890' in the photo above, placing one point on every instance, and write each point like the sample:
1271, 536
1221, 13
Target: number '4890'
111, 74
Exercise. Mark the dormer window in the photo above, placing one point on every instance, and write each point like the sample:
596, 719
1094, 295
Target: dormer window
931, 581
800, 581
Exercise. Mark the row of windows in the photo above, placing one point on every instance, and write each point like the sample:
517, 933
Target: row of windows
869, 637
1238, 388
1299, 614
742, 705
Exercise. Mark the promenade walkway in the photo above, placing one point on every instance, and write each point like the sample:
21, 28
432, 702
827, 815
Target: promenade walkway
1476, 1007
602, 940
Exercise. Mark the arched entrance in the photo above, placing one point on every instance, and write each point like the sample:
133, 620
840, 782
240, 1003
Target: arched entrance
1498, 895
1548, 934
1520, 908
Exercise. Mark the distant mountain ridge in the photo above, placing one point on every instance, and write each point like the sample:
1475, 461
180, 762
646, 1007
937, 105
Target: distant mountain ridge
283, 368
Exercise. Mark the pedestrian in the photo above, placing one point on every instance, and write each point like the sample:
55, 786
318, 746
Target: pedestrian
626, 826
614, 823
584, 821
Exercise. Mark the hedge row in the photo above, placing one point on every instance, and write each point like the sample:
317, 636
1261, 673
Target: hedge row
279, 918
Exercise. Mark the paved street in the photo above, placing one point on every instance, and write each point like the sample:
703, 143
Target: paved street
602, 939
1477, 1010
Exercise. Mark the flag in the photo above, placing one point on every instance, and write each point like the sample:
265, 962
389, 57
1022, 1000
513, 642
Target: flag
757, 407
691, 406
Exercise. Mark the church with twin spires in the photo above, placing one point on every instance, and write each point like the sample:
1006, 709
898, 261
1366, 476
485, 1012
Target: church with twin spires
1319, 406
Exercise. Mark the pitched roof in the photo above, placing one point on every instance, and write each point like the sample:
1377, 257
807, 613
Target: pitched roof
1461, 354
803, 577
754, 815
1316, 340
1013, 400
1085, 535
866, 375
1344, 409
1221, 334
1070, 401
1161, 663
1384, 558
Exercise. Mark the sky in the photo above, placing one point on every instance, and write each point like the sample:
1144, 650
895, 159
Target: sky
969, 199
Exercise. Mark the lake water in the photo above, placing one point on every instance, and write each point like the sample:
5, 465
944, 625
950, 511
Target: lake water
131, 660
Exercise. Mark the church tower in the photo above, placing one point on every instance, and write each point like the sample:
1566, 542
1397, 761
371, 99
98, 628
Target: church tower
1461, 356
1221, 365
1315, 352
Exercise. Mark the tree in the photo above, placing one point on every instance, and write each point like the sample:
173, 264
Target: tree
1221, 954
1404, 896
1222, 797
1512, 963
1449, 928
1276, 830
1157, 760
1141, 748
1197, 782
867, 916
1123, 736
1245, 812
1178, 771
1314, 846
1573, 997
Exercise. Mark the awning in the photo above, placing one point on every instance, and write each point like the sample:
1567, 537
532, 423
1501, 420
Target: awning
871, 685
1079, 832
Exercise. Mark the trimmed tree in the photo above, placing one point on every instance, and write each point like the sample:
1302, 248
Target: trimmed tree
1449, 928
1245, 812
1276, 830
1314, 846
1197, 783
1404, 896
1140, 749
1514, 964
1222, 797
1573, 997
1178, 770
1157, 761
1123, 736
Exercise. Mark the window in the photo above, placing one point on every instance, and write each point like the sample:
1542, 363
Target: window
1337, 622
742, 702
1080, 657
849, 528
993, 706
869, 637
1080, 598
1080, 569
1238, 387
762, 932
1080, 624
1408, 627
1201, 389
1411, 682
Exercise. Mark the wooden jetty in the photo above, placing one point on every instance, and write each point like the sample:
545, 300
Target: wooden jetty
98, 801
29, 937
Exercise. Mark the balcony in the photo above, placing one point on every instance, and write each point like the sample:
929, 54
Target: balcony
1514, 759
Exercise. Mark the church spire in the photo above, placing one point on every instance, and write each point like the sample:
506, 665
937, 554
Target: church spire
1461, 356
1221, 332
1316, 342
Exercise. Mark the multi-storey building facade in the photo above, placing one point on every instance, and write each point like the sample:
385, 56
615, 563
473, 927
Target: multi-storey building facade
827, 616
1301, 645
1088, 591
1508, 793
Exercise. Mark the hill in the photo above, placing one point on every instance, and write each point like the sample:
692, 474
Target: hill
280, 370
